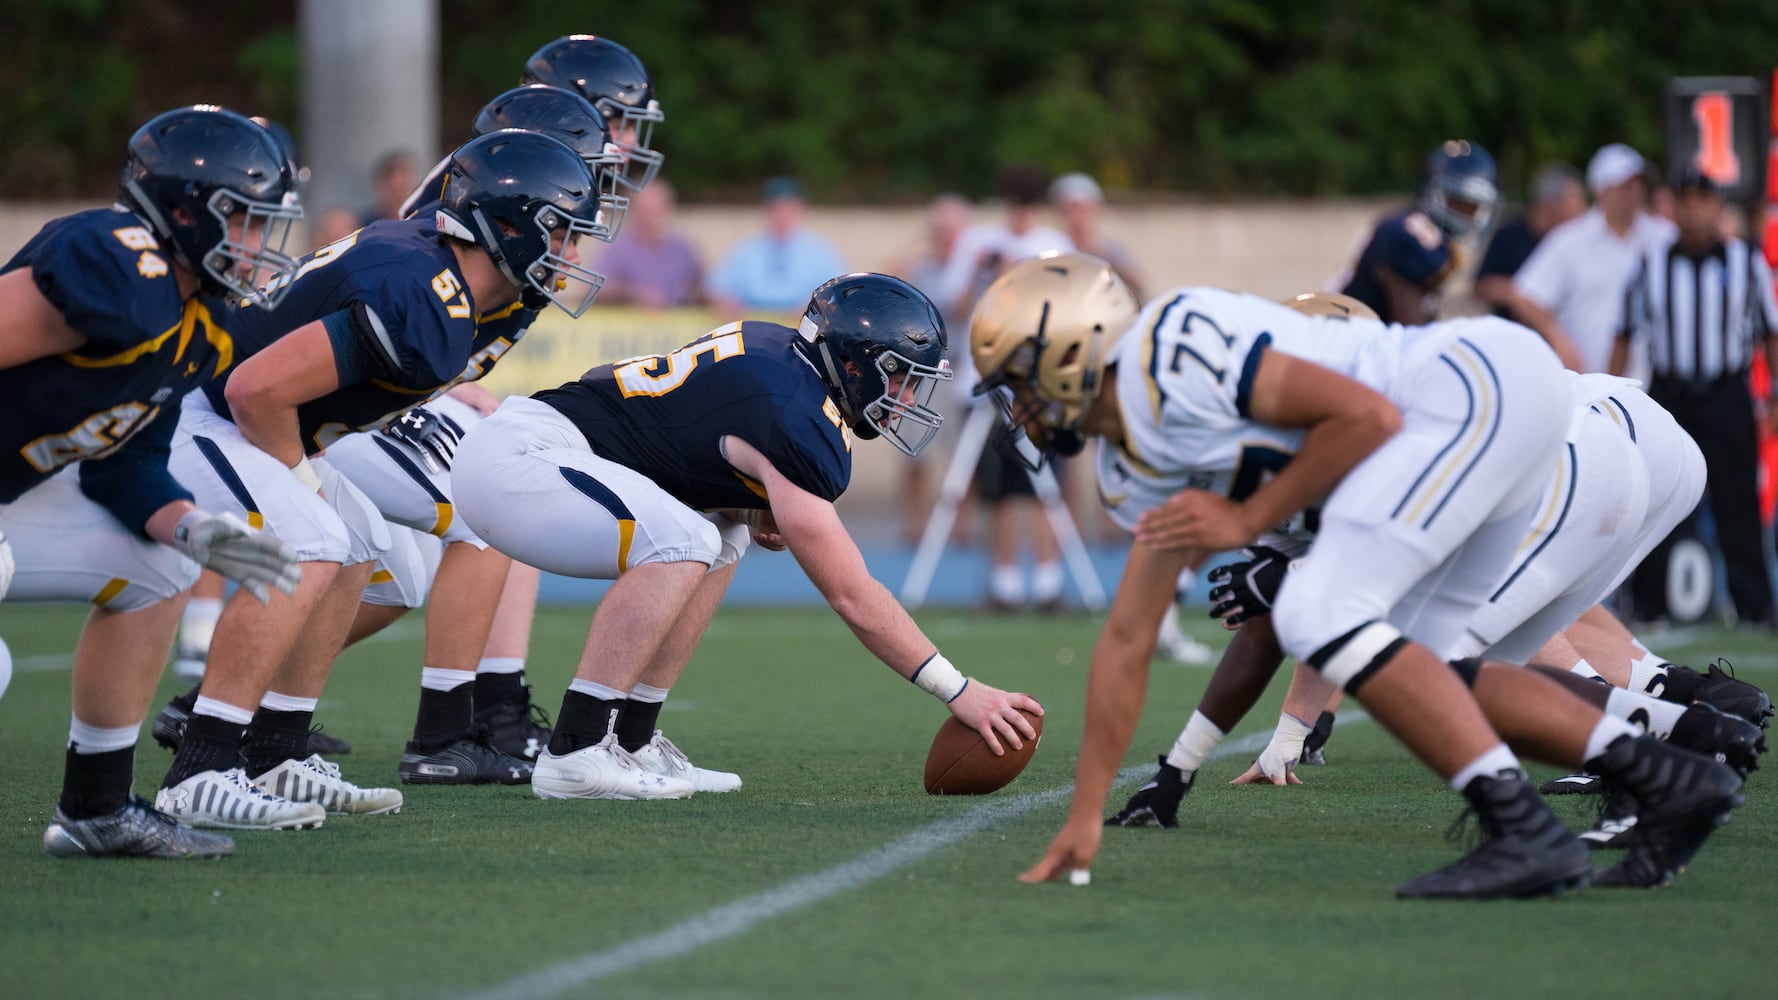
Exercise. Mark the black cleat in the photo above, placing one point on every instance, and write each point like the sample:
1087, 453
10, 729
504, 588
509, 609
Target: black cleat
467, 759
1616, 823
169, 723
1527, 850
1571, 784
1316, 742
135, 830
1729, 739
1680, 797
516, 728
1719, 687
327, 744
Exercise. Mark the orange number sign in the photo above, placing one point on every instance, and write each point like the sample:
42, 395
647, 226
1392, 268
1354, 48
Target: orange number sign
1714, 114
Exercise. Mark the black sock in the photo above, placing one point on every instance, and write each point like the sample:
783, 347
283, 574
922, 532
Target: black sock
584, 721
94, 784
498, 689
275, 737
210, 744
635, 724
444, 714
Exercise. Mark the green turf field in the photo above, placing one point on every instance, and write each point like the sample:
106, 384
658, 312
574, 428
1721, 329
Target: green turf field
832, 874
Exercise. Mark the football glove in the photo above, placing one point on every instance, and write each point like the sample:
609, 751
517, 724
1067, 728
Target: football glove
1158, 800
429, 434
1246, 589
224, 543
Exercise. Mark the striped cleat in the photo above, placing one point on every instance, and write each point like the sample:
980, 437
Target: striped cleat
317, 780
228, 800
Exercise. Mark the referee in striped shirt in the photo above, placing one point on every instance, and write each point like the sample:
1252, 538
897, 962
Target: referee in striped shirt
1704, 304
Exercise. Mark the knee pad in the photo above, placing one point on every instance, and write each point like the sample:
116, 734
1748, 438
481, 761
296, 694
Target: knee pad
1468, 668
1351, 659
736, 537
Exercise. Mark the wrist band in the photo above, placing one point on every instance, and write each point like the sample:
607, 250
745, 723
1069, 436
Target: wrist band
939, 679
306, 474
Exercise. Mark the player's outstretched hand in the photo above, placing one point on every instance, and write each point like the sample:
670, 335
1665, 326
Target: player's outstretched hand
432, 436
224, 543
1277, 762
1195, 519
1070, 855
995, 714
1158, 801
1246, 589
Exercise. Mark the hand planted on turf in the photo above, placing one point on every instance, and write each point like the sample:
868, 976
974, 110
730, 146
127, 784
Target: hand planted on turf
995, 714
1277, 762
224, 543
1157, 801
1196, 519
1072, 850
1246, 589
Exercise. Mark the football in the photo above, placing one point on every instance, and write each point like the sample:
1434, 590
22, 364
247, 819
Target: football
960, 762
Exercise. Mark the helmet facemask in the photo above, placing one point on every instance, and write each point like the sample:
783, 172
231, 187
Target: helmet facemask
252, 267
608, 170
551, 278
906, 399
632, 131
1446, 193
1045, 400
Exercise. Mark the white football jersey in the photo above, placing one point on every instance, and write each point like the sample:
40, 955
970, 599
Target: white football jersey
1184, 371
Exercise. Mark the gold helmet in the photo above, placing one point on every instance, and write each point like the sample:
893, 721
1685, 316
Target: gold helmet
1331, 304
1043, 332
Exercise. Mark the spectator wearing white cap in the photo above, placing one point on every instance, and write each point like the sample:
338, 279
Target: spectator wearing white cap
1571, 289
1079, 202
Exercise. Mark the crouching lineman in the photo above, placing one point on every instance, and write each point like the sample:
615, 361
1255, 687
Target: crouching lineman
1430, 447
103, 337
372, 325
612, 476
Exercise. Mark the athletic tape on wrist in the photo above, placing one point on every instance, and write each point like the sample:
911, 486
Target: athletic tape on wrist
305, 474
938, 678
1195, 742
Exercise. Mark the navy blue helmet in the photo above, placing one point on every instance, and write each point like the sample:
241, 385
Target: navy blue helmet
615, 81
879, 345
569, 117
219, 194
514, 193
1461, 189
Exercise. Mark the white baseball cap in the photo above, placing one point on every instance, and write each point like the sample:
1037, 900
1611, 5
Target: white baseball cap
1613, 165
1075, 187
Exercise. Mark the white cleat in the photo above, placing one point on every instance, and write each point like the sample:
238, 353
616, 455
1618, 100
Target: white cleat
227, 800
602, 771
662, 757
1174, 644
318, 780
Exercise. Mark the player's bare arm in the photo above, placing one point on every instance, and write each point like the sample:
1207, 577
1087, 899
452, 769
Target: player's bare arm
30, 326
825, 550
1345, 422
267, 388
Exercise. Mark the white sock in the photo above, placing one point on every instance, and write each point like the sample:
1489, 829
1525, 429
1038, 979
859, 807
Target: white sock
1645, 712
648, 693
1488, 764
1610, 727
1586, 670
221, 710
593, 689
1648, 674
197, 625
1194, 744
287, 703
440, 679
1007, 584
501, 665
1046, 581
85, 739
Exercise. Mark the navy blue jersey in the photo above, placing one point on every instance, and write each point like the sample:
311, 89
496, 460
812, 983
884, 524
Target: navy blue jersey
146, 347
664, 416
404, 274
1410, 244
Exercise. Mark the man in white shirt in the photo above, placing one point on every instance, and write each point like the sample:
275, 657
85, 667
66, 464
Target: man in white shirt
1571, 289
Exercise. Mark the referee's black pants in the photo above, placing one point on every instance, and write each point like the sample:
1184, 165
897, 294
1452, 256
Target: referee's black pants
1718, 414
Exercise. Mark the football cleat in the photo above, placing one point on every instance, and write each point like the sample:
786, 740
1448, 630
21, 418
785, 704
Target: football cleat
1315, 744
516, 728
1616, 822
170, 721
327, 744
134, 831
604, 770
467, 759
1571, 784
313, 779
1681, 797
1157, 801
1719, 687
1730, 739
662, 757
1527, 850
228, 800
1175, 644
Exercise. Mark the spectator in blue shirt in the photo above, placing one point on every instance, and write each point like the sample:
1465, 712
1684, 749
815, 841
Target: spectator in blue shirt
770, 275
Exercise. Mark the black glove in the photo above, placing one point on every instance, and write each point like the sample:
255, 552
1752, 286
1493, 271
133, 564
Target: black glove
434, 437
1158, 800
1246, 589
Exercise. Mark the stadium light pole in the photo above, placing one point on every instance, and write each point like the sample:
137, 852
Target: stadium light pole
369, 88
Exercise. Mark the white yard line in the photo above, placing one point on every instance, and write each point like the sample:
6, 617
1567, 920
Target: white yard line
43, 663
746, 914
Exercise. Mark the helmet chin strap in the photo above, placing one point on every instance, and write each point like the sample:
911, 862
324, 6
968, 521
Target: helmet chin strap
834, 379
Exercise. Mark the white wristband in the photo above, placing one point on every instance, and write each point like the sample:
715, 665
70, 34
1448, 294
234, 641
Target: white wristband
939, 679
306, 474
